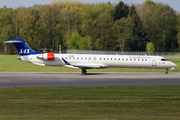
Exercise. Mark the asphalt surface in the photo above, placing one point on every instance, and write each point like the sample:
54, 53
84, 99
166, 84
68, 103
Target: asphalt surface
21, 79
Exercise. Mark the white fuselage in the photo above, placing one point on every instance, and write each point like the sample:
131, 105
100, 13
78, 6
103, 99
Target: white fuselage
103, 61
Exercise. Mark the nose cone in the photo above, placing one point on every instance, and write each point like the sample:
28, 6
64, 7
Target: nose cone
173, 65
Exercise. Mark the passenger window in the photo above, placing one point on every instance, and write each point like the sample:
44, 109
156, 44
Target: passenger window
145, 59
142, 59
66, 57
114, 58
134, 59
111, 58
138, 59
126, 59
119, 58
85, 58
74, 58
123, 59
107, 58
69, 57
78, 58
81, 58
100, 58
104, 58
130, 59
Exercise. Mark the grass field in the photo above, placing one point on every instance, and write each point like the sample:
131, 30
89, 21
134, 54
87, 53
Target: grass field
91, 103
9, 63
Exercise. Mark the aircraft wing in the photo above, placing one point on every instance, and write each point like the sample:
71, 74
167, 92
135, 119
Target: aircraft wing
87, 66
80, 66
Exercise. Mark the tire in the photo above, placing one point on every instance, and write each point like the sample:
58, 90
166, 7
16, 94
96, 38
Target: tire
84, 72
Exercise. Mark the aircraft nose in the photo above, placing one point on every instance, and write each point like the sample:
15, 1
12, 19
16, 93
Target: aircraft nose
173, 65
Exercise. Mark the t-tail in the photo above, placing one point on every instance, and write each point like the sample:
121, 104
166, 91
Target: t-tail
22, 47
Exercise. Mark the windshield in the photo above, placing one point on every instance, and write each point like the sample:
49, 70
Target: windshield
164, 60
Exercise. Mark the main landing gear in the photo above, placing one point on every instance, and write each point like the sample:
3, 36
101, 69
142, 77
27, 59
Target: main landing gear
84, 72
166, 71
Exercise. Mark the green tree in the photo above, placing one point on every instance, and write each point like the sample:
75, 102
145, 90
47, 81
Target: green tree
139, 33
178, 28
122, 10
160, 21
73, 40
124, 32
30, 32
51, 20
78, 42
104, 31
149, 47
7, 31
91, 23
98, 44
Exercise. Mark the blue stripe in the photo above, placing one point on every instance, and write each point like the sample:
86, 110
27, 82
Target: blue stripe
66, 62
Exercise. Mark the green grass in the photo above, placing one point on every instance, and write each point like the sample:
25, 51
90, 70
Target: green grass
9, 63
91, 103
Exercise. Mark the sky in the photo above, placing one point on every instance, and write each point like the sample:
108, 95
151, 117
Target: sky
27, 3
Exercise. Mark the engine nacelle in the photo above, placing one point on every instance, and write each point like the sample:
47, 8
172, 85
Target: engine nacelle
46, 56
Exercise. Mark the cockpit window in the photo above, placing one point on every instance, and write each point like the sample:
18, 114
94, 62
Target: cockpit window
164, 60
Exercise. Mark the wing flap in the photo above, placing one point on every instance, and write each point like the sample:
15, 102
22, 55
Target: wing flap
87, 66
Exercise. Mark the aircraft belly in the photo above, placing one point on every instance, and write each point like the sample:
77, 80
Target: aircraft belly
129, 65
54, 63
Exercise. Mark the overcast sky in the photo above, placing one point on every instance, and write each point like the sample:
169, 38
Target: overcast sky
27, 3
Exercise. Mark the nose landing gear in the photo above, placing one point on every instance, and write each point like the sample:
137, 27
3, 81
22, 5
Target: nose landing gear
84, 72
166, 71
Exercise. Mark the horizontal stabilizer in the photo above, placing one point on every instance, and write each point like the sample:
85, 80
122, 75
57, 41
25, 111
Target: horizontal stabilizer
13, 41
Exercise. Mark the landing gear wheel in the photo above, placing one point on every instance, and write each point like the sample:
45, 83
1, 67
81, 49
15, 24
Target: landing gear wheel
84, 72
166, 71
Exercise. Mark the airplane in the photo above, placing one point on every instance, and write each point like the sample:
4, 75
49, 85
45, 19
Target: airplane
90, 61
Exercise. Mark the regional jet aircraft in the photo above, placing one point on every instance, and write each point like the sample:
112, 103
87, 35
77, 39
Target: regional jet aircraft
90, 61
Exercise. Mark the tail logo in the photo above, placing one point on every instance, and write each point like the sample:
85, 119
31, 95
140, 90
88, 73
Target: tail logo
24, 51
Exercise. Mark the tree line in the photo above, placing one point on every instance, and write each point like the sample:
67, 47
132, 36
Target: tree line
103, 26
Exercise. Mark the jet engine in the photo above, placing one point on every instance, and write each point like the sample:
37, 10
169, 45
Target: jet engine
46, 56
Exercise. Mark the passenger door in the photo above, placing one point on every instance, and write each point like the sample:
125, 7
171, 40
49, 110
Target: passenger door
154, 62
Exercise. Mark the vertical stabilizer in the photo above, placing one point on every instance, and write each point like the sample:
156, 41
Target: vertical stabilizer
22, 47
